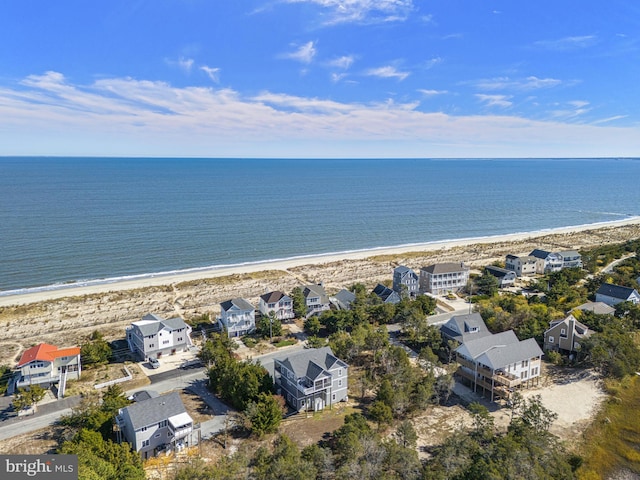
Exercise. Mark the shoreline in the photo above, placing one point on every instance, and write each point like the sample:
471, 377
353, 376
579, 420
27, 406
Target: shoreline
133, 282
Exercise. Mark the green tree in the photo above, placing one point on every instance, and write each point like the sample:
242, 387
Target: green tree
381, 413
312, 325
487, 284
299, 302
269, 326
28, 397
406, 435
264, 414
95, 352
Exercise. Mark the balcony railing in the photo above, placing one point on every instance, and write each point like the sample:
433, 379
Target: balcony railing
179, 433
500, 377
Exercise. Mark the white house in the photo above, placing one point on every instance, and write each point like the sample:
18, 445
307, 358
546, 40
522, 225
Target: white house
613, 294
277, 302
442, 278
156, 424
46, 365
153, 336
506, 278
237, 317
498, 363
522, 266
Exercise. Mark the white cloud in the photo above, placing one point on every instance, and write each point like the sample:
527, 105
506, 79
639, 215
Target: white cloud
387, 72
49, 115
578, 103
362, 11
433, 62
431, 93
567, 43
211, 72
502, 101
610, 119
506, 83
303, 54
343, 62
184, 64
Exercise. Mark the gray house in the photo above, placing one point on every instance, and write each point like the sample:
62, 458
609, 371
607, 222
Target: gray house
156, 424
462, 328
506, 278
386, 294
311, 379
237, 317
343, 299
565, 335
316, 299
153, 336
613, 294
405, 280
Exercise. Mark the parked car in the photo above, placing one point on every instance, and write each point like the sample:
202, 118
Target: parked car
154, 363
195, 363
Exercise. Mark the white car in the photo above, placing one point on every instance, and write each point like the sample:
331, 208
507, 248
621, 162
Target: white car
154, 363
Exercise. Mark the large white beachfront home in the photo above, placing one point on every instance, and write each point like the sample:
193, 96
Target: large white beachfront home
237, 317
278, 303
522, 266
496, 364
156, 424
311, 379
46, 365
442, 278
555, 261
153, 336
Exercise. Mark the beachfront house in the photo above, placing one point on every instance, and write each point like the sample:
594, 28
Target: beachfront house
613, 294
442, 278
405, 281
555, 261
343, 299
311, 379
498, 363
506, 278
570, 259
522, 266
278, 303
156, 424
462, 328
237, 317
316, 299
153, 336
565, 335
386, 294
47, 365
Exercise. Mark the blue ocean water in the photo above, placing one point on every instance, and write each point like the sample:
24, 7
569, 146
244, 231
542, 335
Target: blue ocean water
75, 219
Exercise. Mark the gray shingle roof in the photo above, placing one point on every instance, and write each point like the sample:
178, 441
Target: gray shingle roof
316, 291
154, 410
240, 303
450, 267
615, 291
152, 324
386, 294
497, 271
344, 298
322, 360
459, 327
599, 308
499, 350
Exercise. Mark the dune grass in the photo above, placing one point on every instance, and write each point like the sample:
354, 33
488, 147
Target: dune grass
612, 442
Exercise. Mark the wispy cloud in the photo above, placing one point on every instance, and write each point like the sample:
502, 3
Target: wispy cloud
609, 119
431, 93
343, 62
506, 83
502, 101
212, 73
362, 11
387, 72
571, 110
183, 63
432, 62
303, 53
567, 43
49, 114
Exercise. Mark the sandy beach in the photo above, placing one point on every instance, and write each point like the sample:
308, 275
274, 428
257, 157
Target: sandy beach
65, 316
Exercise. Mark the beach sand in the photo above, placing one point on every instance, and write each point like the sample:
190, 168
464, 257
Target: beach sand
66, 316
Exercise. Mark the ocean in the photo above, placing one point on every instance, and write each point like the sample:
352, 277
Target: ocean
65, 220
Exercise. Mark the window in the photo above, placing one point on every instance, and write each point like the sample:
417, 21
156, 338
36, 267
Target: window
333, 397
340, 382
157, 435
145, 443
523, 375
551, 339
144, 429
340, 372
534, 371
164, 342
563, 332
525, 363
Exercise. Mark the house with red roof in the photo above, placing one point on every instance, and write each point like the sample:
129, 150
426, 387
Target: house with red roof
46, 365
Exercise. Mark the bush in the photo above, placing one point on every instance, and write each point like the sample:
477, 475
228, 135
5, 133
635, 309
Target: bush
250, 342
554, 357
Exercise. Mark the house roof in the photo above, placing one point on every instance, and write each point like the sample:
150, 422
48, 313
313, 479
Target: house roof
344, 299
239, 303
47, 353
385, 293
615, 291
272, 297
152, 324
569, 253
402, 271
542, 254
461, 327
579, 328
450, 267
312, 362
499, 350
155, 410
498, 272
599, 308
316, 290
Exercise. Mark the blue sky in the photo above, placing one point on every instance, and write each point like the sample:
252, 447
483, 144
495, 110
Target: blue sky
320, 78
